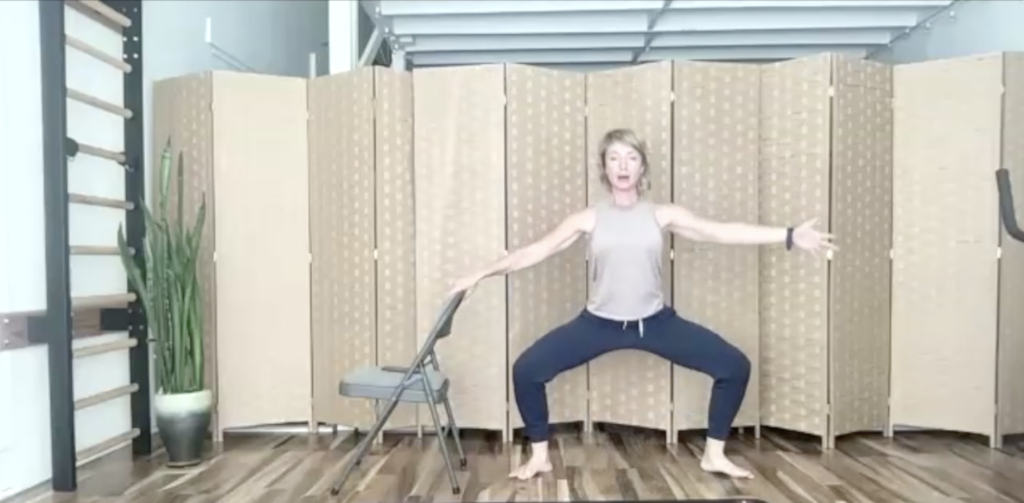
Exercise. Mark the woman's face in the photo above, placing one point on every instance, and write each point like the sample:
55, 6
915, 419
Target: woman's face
623, 166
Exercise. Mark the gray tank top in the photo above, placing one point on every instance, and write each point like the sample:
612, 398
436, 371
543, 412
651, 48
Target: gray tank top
625, 255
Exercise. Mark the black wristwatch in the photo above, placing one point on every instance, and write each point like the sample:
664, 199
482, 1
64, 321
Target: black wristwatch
789, 238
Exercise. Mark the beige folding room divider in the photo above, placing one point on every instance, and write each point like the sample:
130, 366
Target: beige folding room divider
632, 387
958, 280
825, 154
362, 235
546, 157
243, 145
459, 159
342, 207
715, 172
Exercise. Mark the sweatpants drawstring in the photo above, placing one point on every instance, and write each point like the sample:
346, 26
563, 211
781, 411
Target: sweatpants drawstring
639, 325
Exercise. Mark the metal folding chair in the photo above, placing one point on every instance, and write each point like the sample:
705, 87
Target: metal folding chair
420, 382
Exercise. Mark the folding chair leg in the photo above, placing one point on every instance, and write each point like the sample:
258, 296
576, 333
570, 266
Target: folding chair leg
379, 438
444, 447
454, 428
364, 445
361, 450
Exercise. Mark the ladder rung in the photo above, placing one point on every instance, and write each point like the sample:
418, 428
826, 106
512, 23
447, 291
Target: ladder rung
100, 152
98, 250
21, 314
106, 445
106, 396
104, 105
106, 347
100, 201
82, 303
102, 301
108, 12
97, 53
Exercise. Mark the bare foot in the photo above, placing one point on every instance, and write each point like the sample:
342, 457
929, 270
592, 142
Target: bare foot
716, 464
531, 468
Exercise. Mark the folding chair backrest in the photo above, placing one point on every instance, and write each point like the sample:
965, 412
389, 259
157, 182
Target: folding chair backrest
443, 325
442, 328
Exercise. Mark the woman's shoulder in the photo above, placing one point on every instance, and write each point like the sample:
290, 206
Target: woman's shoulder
583, 219
662, 213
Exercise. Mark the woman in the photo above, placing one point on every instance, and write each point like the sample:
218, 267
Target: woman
626, 308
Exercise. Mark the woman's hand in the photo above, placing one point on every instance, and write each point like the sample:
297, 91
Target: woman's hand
806, 237
464, 284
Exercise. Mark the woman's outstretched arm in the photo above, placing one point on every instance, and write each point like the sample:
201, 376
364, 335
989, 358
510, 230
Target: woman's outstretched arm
680, 221
556, 240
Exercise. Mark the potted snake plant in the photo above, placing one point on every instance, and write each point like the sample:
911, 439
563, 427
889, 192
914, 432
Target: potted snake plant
164, 275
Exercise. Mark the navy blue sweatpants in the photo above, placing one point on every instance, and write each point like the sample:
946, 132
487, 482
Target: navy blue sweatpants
664, 334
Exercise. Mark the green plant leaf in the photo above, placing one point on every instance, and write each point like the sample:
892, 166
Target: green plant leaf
170, 290
165, 175
181, 193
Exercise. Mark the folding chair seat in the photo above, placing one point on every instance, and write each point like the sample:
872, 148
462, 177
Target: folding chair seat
422, 382
379, 383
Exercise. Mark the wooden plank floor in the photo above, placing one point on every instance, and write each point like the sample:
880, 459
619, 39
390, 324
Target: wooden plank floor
912, 468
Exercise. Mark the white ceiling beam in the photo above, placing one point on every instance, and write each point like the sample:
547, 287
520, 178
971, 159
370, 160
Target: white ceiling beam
456, 7
523, 57
778, 19
442, 43
774, 37
804, 4
746, 53
510, 24
636, 22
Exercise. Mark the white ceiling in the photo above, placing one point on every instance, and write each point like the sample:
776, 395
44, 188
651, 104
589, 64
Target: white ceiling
596, 33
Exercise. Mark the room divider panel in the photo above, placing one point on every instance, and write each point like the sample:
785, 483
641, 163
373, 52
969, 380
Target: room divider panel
362, 235
342, 202
860, 274
1010, 396
795, 109
631, 387
825, 128
260, 172
397, 342
958, 333
715, 174
459, 161
546, 172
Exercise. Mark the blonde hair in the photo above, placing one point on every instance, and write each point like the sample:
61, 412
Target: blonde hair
629, 138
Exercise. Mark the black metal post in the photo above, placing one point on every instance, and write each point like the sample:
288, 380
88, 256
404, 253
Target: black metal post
58, 291
135, 223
